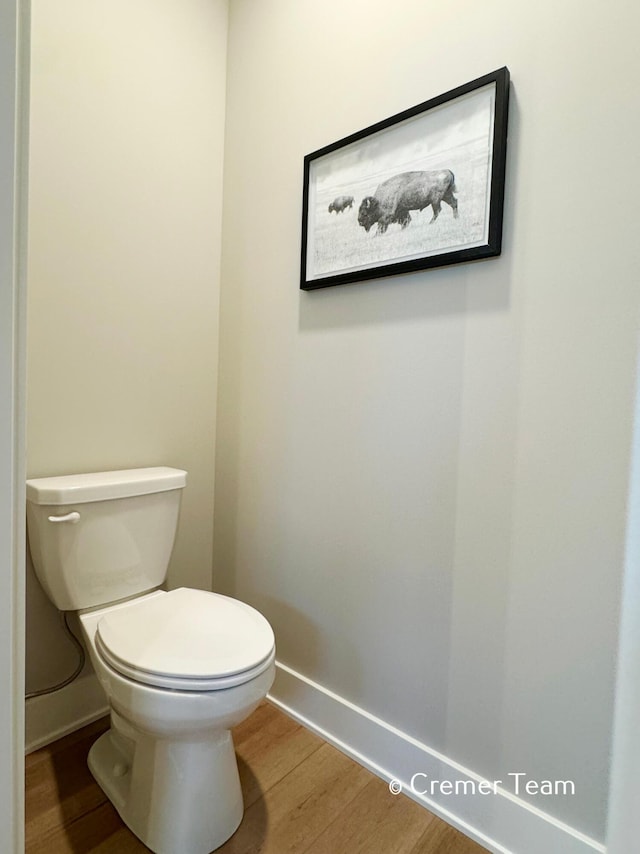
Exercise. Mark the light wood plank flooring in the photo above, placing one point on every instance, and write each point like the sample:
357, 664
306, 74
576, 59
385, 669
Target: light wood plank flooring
302, 796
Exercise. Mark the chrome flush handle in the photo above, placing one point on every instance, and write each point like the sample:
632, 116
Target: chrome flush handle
72, 517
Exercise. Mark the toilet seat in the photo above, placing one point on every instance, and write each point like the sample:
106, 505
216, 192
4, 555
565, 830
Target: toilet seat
186, 640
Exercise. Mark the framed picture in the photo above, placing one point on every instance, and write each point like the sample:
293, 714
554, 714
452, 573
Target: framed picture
421, 189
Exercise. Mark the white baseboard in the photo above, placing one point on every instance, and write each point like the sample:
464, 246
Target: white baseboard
500, 821
55, 715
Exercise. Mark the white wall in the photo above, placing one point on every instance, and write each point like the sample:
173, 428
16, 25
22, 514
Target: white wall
13, 69
421, 481
127, 104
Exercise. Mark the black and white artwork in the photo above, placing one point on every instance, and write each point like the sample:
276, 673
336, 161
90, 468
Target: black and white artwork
421, 189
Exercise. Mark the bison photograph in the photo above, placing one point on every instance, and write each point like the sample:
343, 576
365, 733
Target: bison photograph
419, 185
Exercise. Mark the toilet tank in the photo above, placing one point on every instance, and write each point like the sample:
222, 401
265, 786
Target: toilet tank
97, 538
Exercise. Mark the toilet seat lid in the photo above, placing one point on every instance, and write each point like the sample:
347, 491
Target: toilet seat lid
189, 635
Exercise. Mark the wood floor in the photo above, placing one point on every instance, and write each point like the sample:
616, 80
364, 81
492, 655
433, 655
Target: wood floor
302, 796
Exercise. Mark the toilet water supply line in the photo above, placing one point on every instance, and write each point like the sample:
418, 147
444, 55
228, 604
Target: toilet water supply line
76, 672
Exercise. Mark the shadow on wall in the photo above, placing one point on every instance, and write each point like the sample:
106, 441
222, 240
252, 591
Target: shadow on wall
437, 293
383, 301
294, 630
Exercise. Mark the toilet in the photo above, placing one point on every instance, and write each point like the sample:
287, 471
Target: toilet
179, 668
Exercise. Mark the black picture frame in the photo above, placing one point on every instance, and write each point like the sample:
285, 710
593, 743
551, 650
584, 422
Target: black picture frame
367, 198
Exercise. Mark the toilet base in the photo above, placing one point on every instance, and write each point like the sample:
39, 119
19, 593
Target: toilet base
177, 796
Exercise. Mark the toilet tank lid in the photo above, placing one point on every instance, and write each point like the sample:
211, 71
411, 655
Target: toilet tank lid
104, 485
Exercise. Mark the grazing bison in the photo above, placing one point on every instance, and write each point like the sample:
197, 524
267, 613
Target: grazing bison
409, 191
341, 203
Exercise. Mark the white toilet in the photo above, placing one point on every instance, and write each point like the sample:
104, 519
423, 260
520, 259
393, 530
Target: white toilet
179, 668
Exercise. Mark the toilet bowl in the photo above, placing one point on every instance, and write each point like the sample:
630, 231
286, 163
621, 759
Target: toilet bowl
179, 668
